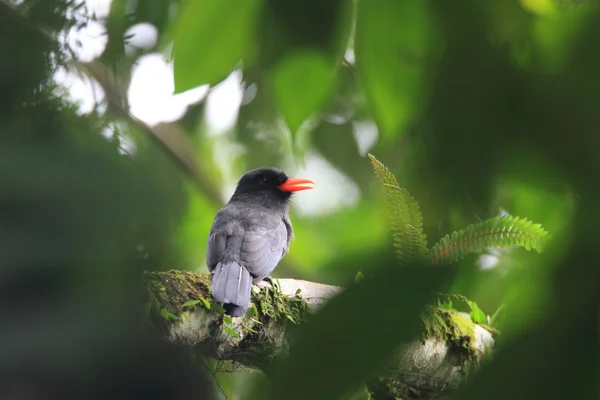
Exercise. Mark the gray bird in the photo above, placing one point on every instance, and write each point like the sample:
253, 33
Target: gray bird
250, 234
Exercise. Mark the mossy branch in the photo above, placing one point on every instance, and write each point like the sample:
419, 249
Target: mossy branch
450, 344
501, 231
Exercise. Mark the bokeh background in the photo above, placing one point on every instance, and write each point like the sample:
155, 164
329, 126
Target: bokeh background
126, 125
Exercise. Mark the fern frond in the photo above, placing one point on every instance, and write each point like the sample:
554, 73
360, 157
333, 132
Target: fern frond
505, 231
406, 220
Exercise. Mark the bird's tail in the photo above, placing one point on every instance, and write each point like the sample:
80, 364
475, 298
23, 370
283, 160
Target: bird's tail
231, 285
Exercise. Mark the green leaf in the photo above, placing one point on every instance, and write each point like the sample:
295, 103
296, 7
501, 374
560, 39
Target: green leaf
406, 219
219, 308
276, 285
227, 319
394, 40
205, 302
231, 332
476, 314
505, 231
190, 303
359, 277
446, 304
497, 314
167, 315
248, 328
302, 82
298, 291
210, 38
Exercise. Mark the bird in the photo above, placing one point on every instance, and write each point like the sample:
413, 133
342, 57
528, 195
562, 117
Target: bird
250, 235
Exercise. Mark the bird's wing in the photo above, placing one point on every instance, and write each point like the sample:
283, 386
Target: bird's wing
215, 249
222, 227
262, 249
290, 233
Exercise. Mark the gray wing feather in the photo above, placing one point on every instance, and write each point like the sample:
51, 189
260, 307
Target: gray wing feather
216, 248
257, 249
222, 228
262, 249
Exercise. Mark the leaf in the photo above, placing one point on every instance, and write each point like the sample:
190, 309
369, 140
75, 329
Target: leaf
406, 219
227, 319
497, 314
231, 332
298, 291
500, 231
302, 82
476, 314
219, 308
167, 315
210, 38
248, 328
205, 302
446, 304
359, 277
383, 312
190, 303
393, 41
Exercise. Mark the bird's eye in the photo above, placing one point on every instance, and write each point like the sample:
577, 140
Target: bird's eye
265, 180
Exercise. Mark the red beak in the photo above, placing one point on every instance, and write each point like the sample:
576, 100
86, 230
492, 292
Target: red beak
296, 184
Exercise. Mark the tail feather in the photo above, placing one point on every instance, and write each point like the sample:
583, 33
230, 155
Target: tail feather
231, 286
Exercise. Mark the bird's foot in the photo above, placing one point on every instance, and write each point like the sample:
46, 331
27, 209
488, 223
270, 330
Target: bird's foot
273, 282
268, 279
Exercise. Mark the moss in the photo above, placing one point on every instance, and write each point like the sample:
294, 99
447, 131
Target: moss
450, 326
271, 303
169, 290
390, 388
444, 324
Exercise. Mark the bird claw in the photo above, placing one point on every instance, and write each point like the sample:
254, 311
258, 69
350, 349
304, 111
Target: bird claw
273, 284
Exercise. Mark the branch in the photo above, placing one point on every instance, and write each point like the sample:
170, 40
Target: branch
450, 346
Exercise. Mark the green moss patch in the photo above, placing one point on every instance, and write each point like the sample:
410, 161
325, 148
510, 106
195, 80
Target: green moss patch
170, 290
453, 328
271, 303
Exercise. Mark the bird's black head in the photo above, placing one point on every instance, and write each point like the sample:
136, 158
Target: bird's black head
269, 186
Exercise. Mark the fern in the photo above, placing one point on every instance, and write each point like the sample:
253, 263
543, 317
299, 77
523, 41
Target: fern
406, 220
506, 231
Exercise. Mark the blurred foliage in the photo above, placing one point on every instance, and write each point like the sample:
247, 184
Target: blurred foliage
478, 108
